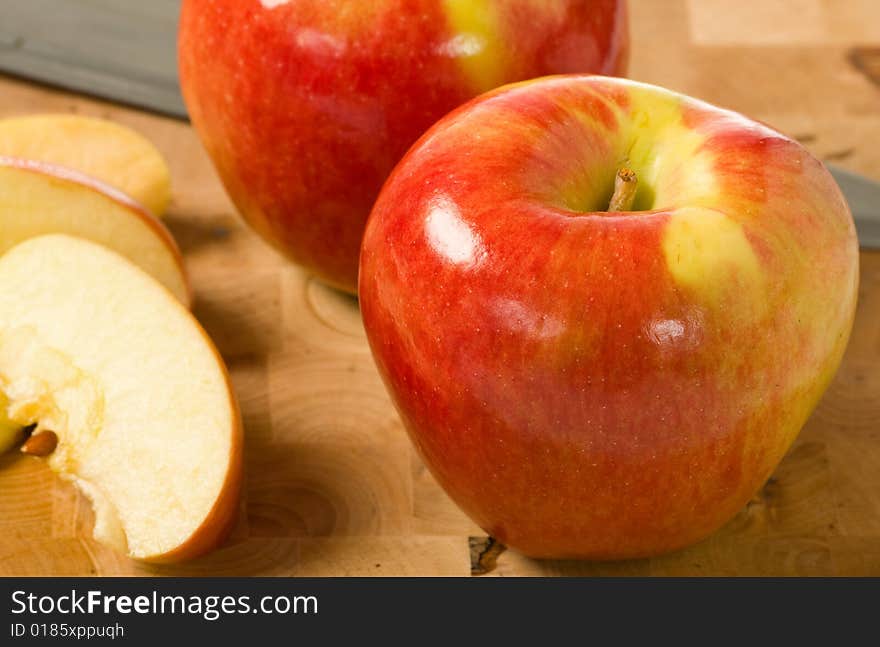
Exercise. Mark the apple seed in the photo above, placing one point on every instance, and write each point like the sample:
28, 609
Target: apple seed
41, 443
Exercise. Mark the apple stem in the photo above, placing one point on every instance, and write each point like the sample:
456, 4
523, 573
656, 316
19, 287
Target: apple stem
625, 185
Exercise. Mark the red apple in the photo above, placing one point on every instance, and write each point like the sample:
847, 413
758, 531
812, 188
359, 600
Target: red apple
306, 106
596, 384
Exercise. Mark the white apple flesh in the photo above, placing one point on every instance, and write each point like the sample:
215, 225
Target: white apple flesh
96, 351
37, 198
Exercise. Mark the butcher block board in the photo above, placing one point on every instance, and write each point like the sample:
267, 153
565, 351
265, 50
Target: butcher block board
333, 486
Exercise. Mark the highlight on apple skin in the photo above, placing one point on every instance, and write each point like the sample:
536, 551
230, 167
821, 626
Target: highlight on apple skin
306, 106
605, 385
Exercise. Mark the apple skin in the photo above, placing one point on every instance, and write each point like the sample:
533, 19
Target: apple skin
603, 385
305, 107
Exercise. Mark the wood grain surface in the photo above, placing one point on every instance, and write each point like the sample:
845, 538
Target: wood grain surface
333, 486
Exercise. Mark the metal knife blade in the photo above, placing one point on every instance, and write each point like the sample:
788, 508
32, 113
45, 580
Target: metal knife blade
863, 196
124, 51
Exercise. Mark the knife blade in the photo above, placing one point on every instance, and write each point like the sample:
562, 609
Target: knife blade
123, 51
863, 196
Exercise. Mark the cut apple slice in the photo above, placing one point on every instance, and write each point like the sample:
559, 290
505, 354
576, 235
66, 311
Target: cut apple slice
102, 149
96, 351
37, 198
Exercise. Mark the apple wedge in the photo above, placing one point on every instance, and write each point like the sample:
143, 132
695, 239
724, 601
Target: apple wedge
97, 352
38, 198
102, 149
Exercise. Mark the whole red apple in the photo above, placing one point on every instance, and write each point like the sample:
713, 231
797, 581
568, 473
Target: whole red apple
586, 383
305, 106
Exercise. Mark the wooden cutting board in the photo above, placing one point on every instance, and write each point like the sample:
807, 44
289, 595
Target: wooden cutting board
333, 486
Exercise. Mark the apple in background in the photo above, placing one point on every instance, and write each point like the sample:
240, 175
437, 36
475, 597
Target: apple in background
596, 384
306, 106
107, 151
130, 399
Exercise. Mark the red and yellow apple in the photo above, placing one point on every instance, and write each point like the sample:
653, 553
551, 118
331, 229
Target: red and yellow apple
306, 106
596, 384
